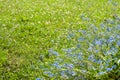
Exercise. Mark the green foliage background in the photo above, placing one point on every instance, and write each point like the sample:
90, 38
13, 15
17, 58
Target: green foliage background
28, 28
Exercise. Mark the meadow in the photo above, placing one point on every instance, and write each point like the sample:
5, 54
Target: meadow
59, 39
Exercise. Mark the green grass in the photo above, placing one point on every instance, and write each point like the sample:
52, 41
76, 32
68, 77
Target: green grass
29, 27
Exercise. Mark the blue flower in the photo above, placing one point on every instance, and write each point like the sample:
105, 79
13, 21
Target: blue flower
55, 53
110, 40
101, 67
99, 61
113, 50
50, 50
118, 43
118, 27
79, 56
71, 35
98, 42
81, 39
108, 29
68, 50
83, 15
87, 19
38, 79
59, 59
49, 73
56, 64
118, 36
114, 66
73, 73
84, 71
65, 65
92, 58
83, 31
90, 49
101, 73
70, 66
109, 69
62, 73
96, 51
78, 45
102, 25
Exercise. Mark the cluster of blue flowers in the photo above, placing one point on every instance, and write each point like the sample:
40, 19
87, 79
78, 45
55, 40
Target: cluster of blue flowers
96, 54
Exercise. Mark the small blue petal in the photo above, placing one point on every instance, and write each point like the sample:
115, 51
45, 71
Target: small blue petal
118, 43
114, 66
118, 27
98, 42
81, 39
102, 25
108, 69
110, 40
38, 79
78, 45
101, 73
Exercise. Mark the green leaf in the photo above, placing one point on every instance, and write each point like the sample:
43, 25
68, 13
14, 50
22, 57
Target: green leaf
3, 56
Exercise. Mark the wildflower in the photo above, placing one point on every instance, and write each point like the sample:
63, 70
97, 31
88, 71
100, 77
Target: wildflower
62, 73
101, 67
81, 39
118, 43
84, 71
110, 40
68, 50
108, 29
79, 56
38, 79
90, 49
50, 50
70, 66
65, 65
71, 35
91, 57
48, 73
99, 61
113, 50
56, 64
108, 69
65, 76
55, 53
98, 42
101, 73
87, 19
114, 66
102, 25
73, 73
118, 36
96, 51
83, 31
59, 59
82, 15
118, 27
78, 45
